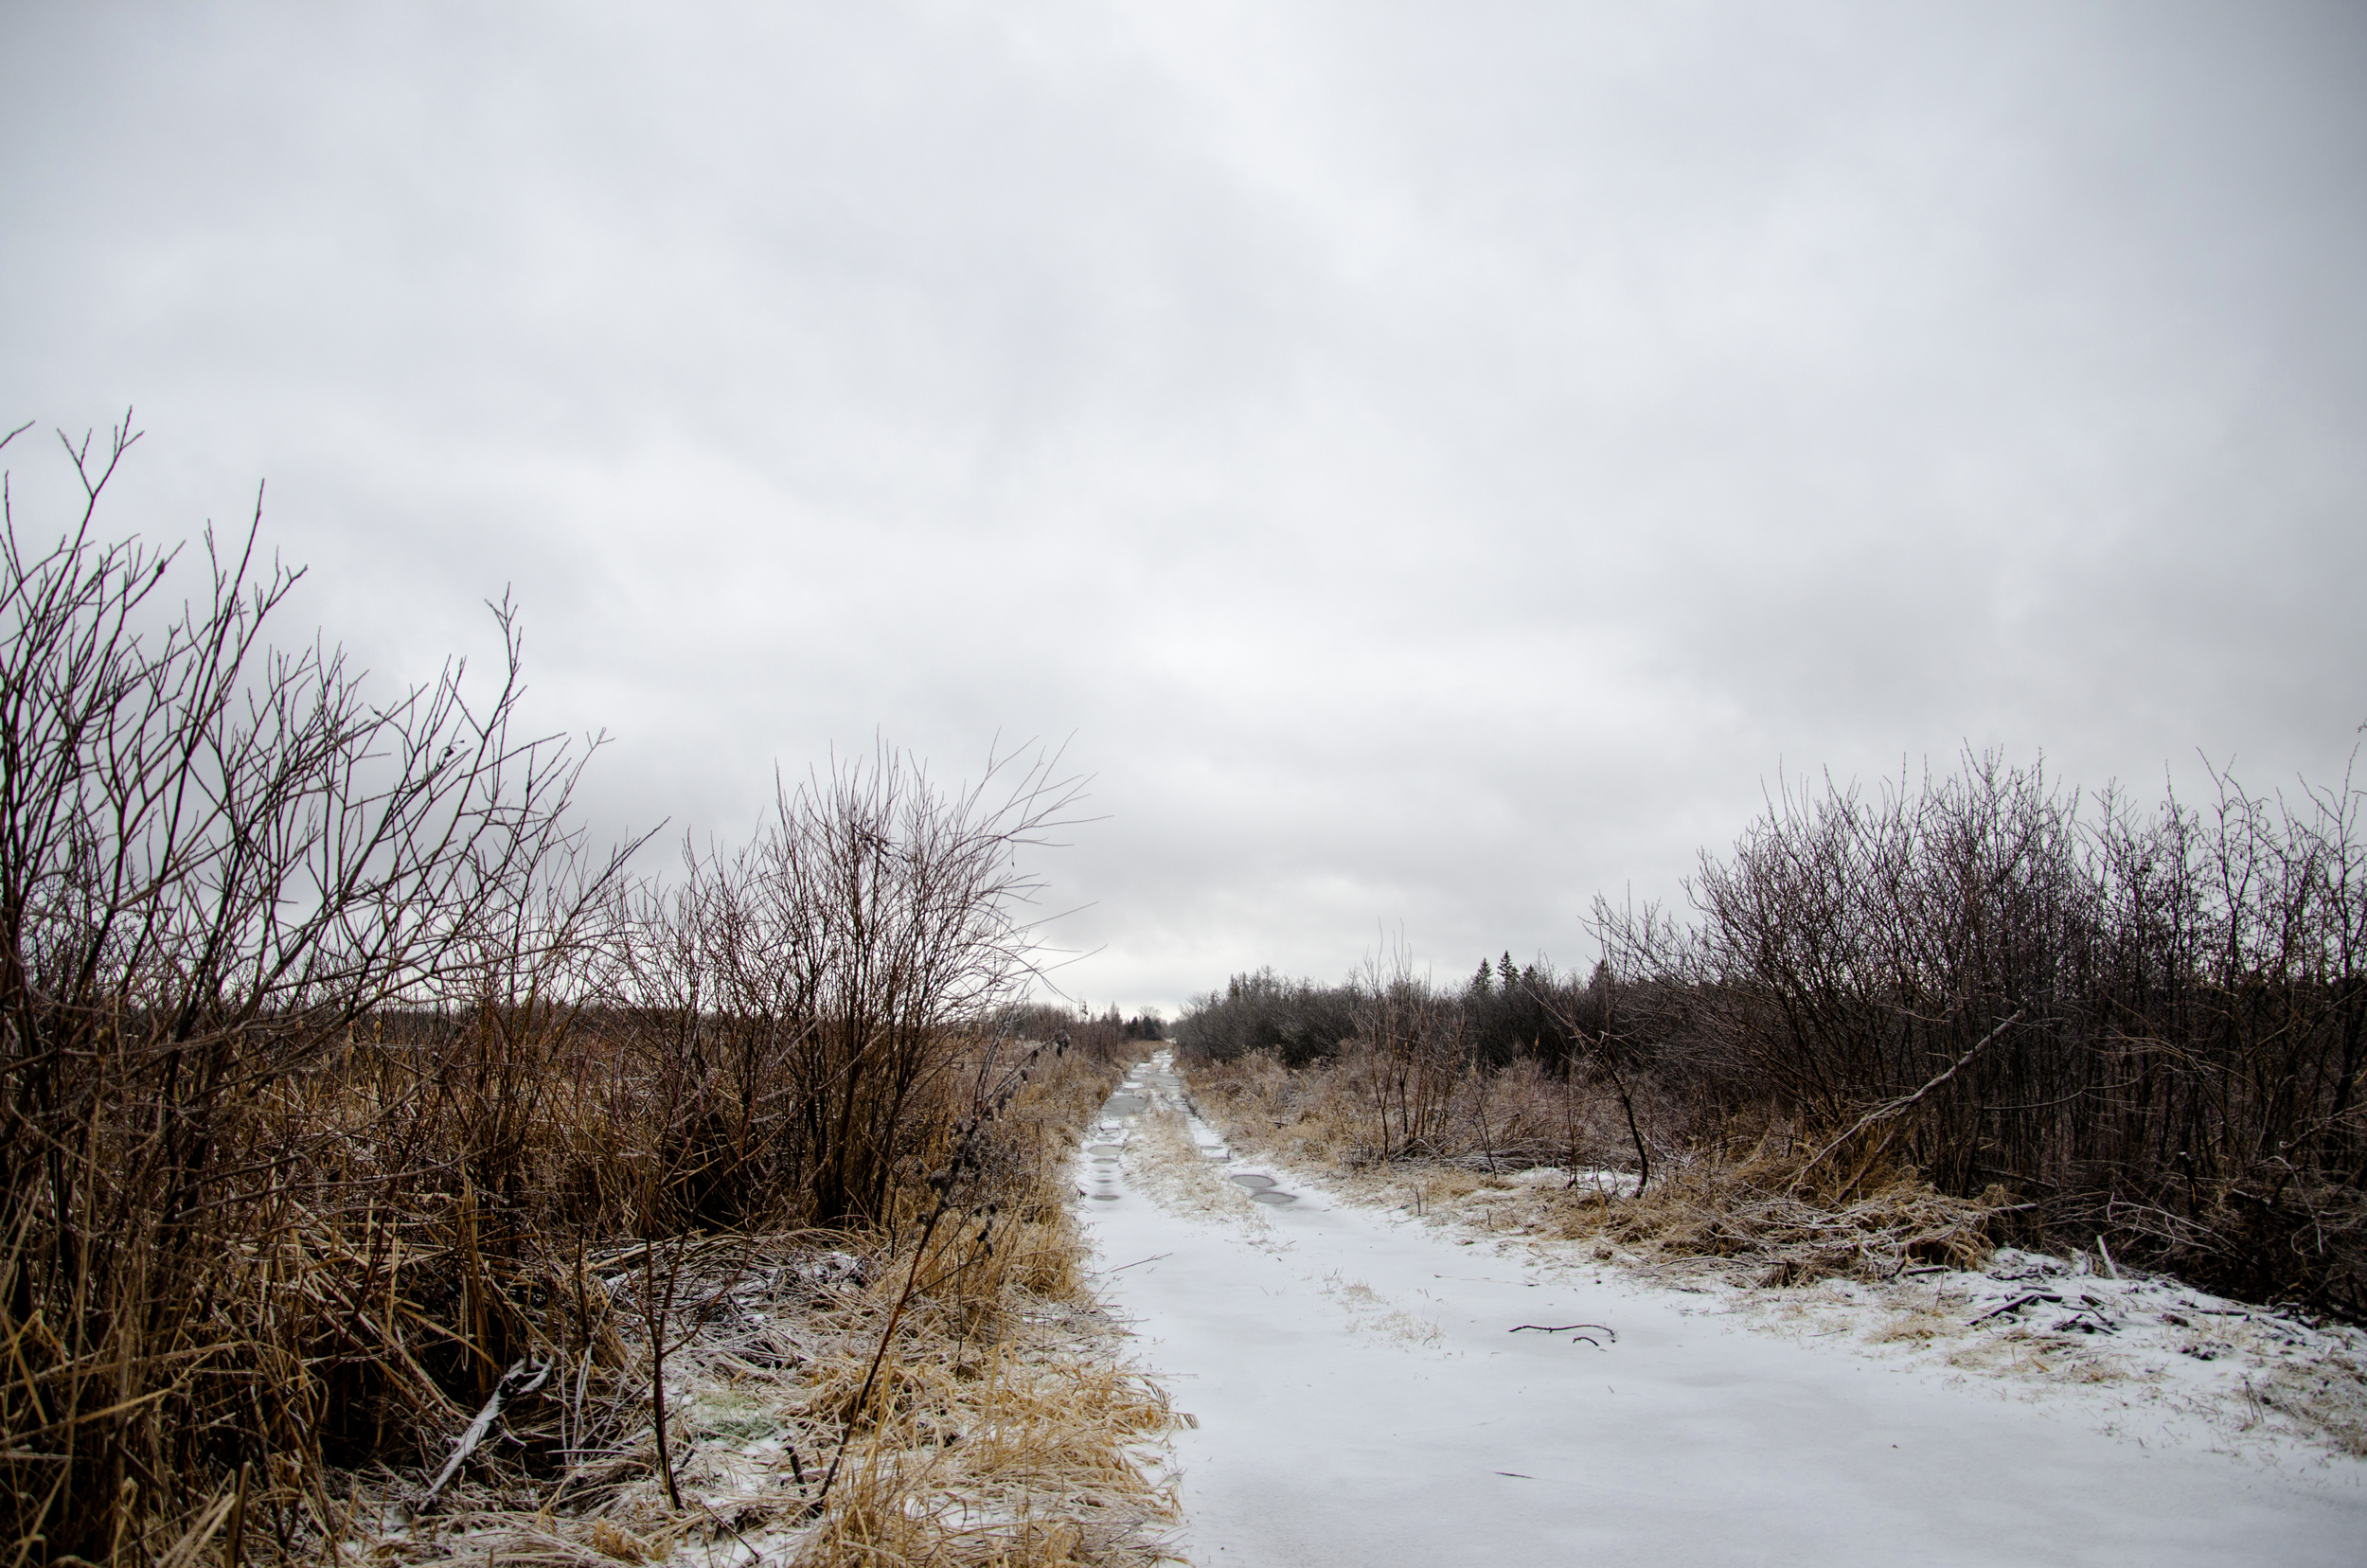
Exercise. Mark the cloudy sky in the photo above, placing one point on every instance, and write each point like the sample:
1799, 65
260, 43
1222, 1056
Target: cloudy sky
1429, 464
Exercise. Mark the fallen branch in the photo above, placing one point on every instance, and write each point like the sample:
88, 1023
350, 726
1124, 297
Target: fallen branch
1138, 1262
2018, 1304
503, 1392
1891, 1108
1571, 1329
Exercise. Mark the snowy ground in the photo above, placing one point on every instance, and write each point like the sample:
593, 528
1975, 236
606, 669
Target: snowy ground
1371, 1389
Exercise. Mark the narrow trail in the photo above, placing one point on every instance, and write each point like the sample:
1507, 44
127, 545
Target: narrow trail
1363, 1396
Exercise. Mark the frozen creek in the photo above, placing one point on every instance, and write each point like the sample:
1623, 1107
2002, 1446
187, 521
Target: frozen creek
1362, 1396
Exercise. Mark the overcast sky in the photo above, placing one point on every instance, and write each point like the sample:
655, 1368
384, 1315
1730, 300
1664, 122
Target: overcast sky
1429, 463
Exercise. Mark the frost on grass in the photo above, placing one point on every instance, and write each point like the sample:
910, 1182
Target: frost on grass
1768, 1207
1015, 1437
1004, 1427
1373, 1316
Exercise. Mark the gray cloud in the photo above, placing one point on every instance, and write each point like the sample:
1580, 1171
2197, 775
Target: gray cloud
1435, 465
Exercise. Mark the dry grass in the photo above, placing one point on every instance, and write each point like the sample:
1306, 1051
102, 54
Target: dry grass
1852, 1250
1765, 1209
1000, 1428
1033, 1453
351, 1099
1164, 1161
1004, 1430
464, 1205
1752, 1210
1328, 1114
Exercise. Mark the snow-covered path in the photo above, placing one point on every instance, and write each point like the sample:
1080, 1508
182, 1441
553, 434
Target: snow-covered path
1361, 1399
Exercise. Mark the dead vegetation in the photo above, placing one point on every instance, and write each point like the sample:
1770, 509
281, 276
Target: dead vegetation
837, 1398
385, 1164
1751, 1209
1166, 1164
2096, 1025
1762, 1204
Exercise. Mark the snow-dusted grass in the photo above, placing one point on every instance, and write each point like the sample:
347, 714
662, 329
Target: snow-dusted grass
1003, 1429
1032, 1446
1899, 1270
1434, 1377
1163, 1154
2144, 1354
1755, 1196
2221, 1372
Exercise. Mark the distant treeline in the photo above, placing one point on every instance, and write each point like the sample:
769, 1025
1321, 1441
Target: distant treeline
2148, 1024
1103, 1036
1502, 1013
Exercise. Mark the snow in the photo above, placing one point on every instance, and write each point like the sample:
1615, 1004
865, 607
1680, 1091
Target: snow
2146, 1355
1364, 1393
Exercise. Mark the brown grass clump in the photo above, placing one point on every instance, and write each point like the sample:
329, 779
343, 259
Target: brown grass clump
1757, 1211
1001, 1432
1028, 1455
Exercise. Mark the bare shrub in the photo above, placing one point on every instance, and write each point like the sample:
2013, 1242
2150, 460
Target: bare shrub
216, 861
1406, 1061
348, 1092
2145, 1026
812, 992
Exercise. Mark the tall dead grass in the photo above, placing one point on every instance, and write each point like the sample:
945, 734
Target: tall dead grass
1342, 1112
998, 1427
347, 1095
1007, 1432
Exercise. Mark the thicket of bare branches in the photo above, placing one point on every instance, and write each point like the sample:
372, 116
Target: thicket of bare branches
336, 1064
2149, 1026
843, 953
